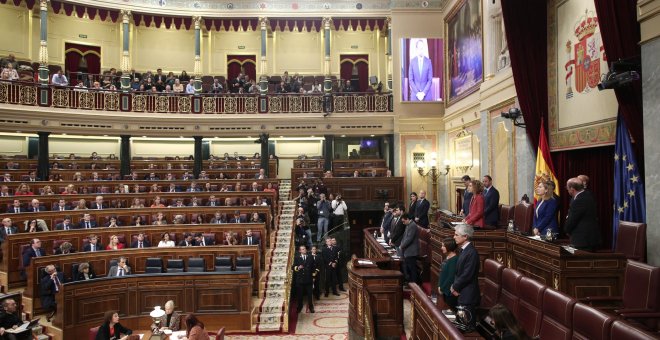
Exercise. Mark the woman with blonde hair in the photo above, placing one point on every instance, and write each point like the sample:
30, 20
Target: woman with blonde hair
23, 190
114, 243
137, 204
171, 320
82, 205
476, 215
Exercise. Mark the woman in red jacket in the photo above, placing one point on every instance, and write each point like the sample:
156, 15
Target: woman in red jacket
476, 216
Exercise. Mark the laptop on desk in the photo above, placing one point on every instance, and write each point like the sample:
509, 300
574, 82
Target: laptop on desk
27, 325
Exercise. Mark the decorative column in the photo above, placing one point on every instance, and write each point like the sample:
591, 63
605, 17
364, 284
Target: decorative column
42, 163
265, 158
389, 53
327, 83
197, 165
125, 56
198, 60
43, 47
125, 156
492, 39
328, 152
263, 80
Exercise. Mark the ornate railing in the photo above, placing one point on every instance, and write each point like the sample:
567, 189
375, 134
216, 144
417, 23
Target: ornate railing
67, 97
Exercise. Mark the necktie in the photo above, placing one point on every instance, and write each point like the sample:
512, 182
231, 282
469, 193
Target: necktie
421, 64
87, 225
304, 257
61, 208
57, 284
100, 206
121, 271
250, 241
140, 245
213, 204
8, 231
17, 210
66, 227
93, 248
36, 210
37, 253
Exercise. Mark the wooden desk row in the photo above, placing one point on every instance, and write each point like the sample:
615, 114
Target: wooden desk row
113, 186
113, 200
340, 163
579, 275
300, 173
365, 189
10, 267
217, 299
136, 258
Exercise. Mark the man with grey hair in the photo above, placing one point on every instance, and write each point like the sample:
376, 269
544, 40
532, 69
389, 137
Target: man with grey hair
121, 269
466, 282
10, 319
50, 285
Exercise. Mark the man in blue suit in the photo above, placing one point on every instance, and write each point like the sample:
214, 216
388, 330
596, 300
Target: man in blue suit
491, 204
466, 282
422, 210
467, 196
420, 75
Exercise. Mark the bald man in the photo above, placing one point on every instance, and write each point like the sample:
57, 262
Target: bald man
582, 219
422, 210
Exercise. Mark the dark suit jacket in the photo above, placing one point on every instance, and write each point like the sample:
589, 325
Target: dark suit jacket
81, 225
47, 290
422, 213
3, 233
104, 331
491, 207
466, 281
304, 276
185, 244
60, 226
88, 247
41, 208
546, 216
386, 223
207, 241
242, 219
255, 240
412, 207
329, 256
29, 254
11, 210
410, 242
467, 197
145, 244
582, 222
396, 231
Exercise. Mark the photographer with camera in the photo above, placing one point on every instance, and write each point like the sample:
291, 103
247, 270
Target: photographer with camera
323, 207
339, 210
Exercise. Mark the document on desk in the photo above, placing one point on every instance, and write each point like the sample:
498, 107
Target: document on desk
569, 249
178, 335
365, 262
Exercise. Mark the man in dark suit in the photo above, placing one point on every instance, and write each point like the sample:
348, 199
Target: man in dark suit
99, 204
16, 208
396, 227
50, 285
491, 203
65, 225
582, 219
330, 265
466, 282
467, 196
7, 229
202, 241
413, 204
61, 206
303, 268
121, 269
35, 206
35, 250
187, 240
316, 276
238, 218
93, 244
10, 318
422, 210
173, 188
250, 239
141, 242
410, 248
386, 222
87, 222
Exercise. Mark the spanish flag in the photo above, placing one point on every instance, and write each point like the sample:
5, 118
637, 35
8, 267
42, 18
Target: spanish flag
545, 171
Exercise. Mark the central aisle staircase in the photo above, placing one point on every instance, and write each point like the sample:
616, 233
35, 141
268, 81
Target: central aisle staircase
271, 314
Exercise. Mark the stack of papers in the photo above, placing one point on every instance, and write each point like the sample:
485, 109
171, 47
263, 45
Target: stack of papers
569, 249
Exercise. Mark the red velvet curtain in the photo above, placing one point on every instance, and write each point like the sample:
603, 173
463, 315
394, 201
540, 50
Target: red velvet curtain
620, 33
597, 163
75, 52
238, 63
361, 62
526, 25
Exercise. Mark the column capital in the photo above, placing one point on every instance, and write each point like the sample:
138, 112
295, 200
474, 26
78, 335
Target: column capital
43, 5
198, 21
263, 23
125, 16
388, 20
327, 22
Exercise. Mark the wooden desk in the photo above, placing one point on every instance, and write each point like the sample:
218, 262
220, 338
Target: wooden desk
579, 275
10, 271
371, 189
136, 258
217, 299
375, 251
375, 303
428, 322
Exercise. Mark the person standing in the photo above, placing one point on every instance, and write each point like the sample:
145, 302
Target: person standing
466, 282
323, 207
476, 216
448, 272
303, 267
340, 264
316, 276
545, 212
330, 264
413, 203
420, 74
50, 285
491, 203
339, 208
582, 219
396, 227
422, 210
386, 222
410, 248
467, 196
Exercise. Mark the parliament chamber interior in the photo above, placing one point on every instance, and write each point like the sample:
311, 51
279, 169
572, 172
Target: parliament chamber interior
369, 169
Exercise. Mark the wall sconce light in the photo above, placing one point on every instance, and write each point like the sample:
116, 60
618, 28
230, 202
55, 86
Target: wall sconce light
515, 115
156, 314
434, 174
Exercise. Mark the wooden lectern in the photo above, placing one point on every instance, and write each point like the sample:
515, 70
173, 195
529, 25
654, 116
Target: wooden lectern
376, 301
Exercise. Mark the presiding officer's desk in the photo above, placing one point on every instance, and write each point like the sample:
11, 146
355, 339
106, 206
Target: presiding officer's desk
136, 259
384, 256
217, 299
10, 270
375, 302
579, 275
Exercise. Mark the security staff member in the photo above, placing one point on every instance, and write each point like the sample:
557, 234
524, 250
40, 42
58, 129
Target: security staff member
303, 267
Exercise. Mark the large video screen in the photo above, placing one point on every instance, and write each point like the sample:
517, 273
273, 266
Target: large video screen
421, 69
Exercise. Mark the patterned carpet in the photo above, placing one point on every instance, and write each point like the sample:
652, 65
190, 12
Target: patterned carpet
330, 322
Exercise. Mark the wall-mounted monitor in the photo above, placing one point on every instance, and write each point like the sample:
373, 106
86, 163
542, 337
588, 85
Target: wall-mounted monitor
421, 69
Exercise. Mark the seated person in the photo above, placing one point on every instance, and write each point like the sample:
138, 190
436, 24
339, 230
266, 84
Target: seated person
93, 244
141, 242
171, 320
505, 324
64, 249
113, 223
85, 272
121, 269
111, 329
230, 239
10, 318
187, 240
114, 243
160, 219
165, 241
